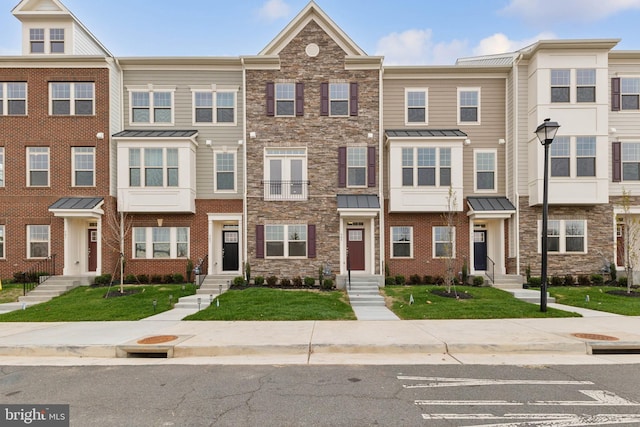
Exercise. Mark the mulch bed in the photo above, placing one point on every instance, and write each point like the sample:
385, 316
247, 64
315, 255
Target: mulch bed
452, 294
117, 293
623, 293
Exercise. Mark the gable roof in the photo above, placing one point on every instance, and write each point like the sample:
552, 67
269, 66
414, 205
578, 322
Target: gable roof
312, 12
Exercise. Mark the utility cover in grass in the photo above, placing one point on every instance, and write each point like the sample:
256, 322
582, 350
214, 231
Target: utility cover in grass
451, 294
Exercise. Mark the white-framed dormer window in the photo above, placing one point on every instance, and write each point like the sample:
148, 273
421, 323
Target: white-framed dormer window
468, 105
84, 166
153, 167
151, 105
486, 179
225, 171
37, 166
13, 99
38, 241
560, 85
416, 106
444, 242
401, 242
214, 106
46, 40
71, 99
56, 40
36, 40
564, 236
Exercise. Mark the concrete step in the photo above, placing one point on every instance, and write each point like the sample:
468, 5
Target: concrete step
34, 299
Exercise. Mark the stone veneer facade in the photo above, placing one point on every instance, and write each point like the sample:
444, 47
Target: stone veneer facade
320, 136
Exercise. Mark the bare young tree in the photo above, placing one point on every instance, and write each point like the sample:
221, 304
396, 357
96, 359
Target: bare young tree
118, 225
630, 230
450, 217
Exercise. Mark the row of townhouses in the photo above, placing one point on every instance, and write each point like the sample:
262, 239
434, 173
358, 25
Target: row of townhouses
311, 154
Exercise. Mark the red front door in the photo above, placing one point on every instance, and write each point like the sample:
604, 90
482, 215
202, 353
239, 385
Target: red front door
355, 249
92, 248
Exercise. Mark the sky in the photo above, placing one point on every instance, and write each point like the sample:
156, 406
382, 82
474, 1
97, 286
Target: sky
405, 32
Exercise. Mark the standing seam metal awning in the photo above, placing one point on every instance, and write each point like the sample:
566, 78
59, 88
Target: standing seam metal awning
77, 206
490, 207
358, 201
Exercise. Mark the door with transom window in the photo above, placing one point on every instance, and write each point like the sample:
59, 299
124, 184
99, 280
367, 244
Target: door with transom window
355, 249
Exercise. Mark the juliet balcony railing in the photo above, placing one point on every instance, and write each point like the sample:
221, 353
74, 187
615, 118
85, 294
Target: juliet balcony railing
286, 190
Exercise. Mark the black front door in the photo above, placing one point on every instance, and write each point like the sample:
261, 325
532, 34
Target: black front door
480, 250
230, 251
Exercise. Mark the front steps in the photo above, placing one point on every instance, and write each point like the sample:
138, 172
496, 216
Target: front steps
209, 290
512, 283
366, 301
52, 287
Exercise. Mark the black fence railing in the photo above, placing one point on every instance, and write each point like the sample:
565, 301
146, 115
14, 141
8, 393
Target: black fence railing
36, 273
491, 270
286, 190
200, 270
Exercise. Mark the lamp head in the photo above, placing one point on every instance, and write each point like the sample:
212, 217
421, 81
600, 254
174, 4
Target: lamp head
547, 131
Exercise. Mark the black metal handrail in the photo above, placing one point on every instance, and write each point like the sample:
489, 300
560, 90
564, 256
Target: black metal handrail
37, 273
201, 270
286, 190
491, 270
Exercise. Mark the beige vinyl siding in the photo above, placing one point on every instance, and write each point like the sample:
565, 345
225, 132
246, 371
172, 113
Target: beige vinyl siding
115, 123
220, 135
523, 136
83, 43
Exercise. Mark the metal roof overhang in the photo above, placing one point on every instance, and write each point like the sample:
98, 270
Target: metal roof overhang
358, 205
490, 207
78, 207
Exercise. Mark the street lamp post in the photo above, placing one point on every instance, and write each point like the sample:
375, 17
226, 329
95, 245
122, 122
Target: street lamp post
545, 132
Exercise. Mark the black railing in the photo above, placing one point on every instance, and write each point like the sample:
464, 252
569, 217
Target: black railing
37, 273
491, 270
201, 270
286, 190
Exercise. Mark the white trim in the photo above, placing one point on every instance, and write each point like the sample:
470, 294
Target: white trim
215, 170
73, 168
495, 170
72, 99
28, 168
214, 89
151, 89
411, 241
478, 106
424, 90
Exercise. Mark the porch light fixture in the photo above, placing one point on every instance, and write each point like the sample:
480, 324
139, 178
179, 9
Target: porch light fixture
545, 132
467, 141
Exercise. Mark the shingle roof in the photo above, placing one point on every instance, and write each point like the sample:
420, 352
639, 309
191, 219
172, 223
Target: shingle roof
155, 134
76, 203
479, 204
358, 201
424, 133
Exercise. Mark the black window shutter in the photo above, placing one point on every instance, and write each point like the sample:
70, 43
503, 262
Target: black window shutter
299, 99
324, 99
353, 94
371, 166
615, 94
271, 110
259, 241
616, 157
311, 241
342, 167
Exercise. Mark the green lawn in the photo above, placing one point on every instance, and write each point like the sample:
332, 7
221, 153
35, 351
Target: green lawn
486, 303
88, 304
599, 299
277, 304
10, 292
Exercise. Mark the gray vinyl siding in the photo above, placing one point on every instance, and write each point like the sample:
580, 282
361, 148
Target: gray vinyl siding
523, 136
84, 44
221, 136
443, 114
115, 123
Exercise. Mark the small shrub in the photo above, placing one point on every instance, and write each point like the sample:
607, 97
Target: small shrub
535, 282
622, 281
387, 273
478, 280
569, 280
415, 279
309, 281
464, 273
247, 272
428, 280
389, 281
527, 272
189, 269
613, 271
130, 278
297, 281
238, 281
272, 280
258, 281
597, 279
400, 279
167, 278
285, 282
103, 279
178, 278
143, 279
556, 281
583, 280
438, 280
327, 284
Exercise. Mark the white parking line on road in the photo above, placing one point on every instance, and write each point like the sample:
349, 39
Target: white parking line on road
466, 382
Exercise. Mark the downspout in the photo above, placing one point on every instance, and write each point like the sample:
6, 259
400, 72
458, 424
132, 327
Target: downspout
244, 164
381, 173
516, 146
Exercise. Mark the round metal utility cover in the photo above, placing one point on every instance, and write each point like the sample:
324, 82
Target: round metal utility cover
158, 339
595, 337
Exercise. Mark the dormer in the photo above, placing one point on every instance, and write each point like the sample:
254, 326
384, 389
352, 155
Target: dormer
49, 28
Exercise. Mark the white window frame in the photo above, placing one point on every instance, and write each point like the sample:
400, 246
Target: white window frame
440, 157
37, 152
2, 168
557, 81
283, 98
405, 231
72, 99
561, 226
476, 106
593, 142
335, 97
630, 153
561, 142
39, 38
286, 241
437, 242
151, 90
145, 237
233, 154
78, 155
38, 234
625, 91
214, 90
356, 160
407, 106
286, 155
5, 99
142, 166
586, 78
477, 170
3, 253
54, 39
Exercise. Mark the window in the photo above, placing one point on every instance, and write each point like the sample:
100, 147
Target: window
486, 171
36, 40
560, 85
468, 105
160, 167
13, 99
225, 171
214, 107
631, 161
565, 236
560, 156
38, 166
1, 166
285, 99
416, 104
356, 166
56, 38
286, 240
2, 255
83, 166
165, 242
630, 93
426, 166
152, 107
72, 99
586, 156
444, 242
285, 174
402, 242
586, 85
37, 241
339, 99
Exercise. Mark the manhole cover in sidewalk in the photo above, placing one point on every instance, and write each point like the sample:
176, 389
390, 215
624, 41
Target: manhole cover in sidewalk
159, 339
595, 337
